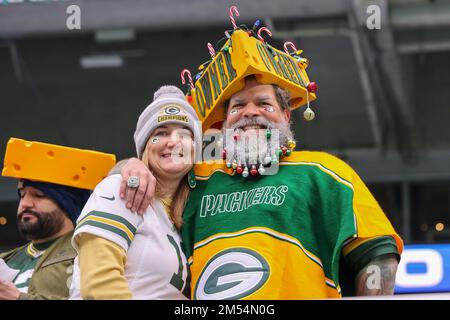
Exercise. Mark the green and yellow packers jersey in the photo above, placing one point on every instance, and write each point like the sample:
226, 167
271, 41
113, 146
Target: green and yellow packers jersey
278, 236
25, 261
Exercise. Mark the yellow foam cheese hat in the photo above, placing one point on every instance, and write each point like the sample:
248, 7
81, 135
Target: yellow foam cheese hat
241, 56
51, 163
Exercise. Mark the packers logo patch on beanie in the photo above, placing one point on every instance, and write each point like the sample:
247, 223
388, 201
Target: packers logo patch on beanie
173, 112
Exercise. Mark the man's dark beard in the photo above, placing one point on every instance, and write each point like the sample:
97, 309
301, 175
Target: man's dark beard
47, 224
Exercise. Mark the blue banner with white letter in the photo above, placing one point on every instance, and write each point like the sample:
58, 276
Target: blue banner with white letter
424, 268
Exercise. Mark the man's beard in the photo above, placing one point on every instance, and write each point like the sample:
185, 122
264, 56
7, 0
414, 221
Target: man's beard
46, 224
254, 153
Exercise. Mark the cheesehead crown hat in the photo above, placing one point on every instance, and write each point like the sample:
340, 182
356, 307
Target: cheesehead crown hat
245, 53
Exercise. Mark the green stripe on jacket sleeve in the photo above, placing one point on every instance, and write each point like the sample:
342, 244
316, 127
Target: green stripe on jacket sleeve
106, 227
115, 217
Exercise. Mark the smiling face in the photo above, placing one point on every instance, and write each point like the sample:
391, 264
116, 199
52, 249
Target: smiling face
250, 113
256, 101
170, 151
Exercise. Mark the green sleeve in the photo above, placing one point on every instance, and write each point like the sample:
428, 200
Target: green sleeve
368, 251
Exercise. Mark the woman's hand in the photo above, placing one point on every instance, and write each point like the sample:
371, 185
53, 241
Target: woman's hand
137, 199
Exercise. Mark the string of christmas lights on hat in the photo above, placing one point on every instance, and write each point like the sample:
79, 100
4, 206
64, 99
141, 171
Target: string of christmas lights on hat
256, 31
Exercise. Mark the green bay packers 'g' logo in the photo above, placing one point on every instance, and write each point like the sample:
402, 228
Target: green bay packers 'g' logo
172, 110
232, 274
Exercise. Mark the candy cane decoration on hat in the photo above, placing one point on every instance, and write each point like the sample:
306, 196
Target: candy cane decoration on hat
212, 52
183, 81
289, 44
261, 30
233, 22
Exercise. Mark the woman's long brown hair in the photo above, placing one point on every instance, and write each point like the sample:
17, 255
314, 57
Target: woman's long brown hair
179, 198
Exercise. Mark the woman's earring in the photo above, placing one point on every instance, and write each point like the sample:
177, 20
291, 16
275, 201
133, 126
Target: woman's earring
191, 179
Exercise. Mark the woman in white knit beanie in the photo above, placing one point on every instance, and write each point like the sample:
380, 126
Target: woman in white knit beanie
122, 255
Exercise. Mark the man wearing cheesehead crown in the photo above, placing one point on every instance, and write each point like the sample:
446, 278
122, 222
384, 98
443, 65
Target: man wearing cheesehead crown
54, 185
268, 222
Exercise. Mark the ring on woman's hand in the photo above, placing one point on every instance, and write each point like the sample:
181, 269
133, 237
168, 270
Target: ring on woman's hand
133, 182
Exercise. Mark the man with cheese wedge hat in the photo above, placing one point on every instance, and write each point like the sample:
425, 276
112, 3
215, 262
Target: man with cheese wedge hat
54, 185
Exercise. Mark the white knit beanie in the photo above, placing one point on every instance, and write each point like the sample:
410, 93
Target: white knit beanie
169, 106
